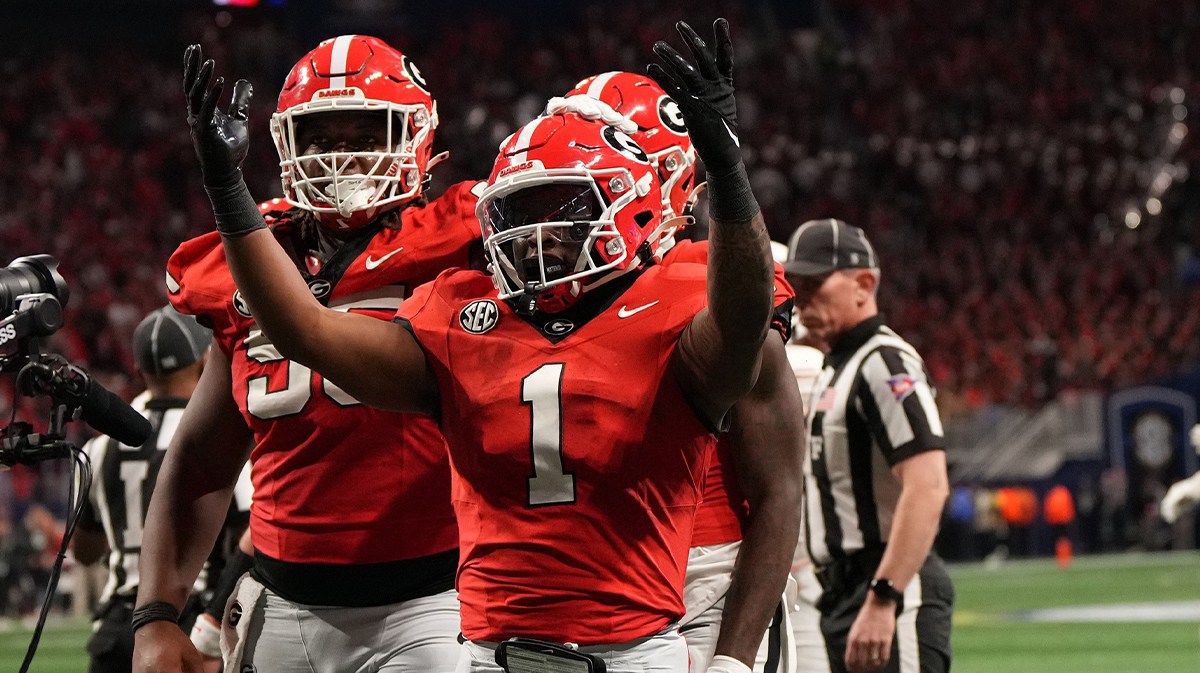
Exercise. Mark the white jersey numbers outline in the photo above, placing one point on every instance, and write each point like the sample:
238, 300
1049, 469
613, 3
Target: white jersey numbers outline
549, 484
266, 404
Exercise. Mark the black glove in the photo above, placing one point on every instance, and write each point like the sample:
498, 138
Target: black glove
221, 140
704, 92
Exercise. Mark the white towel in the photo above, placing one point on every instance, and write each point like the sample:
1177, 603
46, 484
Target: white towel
236, 624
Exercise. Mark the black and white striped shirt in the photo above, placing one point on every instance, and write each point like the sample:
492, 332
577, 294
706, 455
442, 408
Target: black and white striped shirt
872, 408
123, 482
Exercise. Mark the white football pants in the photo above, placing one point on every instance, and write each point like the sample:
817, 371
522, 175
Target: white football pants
709, 573
415, 636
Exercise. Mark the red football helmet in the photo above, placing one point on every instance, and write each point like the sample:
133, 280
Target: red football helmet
355, 73
661, 131
569, 205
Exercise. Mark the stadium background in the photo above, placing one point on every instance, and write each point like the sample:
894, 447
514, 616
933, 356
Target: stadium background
1026, 169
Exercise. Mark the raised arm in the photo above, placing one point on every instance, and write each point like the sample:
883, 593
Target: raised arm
377, 362
768, 440
718, 355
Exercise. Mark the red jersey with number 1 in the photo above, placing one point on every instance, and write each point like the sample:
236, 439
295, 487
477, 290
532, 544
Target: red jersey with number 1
724, 511
335, 481
578, 463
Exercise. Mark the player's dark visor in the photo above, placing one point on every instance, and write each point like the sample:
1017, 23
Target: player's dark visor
544, 203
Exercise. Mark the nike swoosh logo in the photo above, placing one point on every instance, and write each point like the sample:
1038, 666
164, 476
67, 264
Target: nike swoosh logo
373, 263
731, 133
623, 313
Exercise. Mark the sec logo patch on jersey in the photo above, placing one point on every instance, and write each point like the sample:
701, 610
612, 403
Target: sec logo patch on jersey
479, 316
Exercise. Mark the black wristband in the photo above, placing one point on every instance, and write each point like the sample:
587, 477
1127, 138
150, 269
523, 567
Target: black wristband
730, 200
236, 211
158, 611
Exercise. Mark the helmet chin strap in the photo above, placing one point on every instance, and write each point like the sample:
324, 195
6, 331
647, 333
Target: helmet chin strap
526, 304
690, 204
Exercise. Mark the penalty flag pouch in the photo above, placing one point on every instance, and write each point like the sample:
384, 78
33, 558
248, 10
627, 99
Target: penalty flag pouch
527, 655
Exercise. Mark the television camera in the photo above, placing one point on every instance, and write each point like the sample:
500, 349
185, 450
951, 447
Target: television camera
32, 297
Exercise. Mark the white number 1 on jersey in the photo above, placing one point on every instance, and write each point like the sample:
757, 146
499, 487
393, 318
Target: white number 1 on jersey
542, 391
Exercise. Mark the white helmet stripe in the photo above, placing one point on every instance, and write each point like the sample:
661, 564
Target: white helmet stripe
597, 86
836, 244
524, 137
337, 61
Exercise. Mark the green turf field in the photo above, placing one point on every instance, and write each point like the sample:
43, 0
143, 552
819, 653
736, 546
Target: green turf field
986, 639
61, 649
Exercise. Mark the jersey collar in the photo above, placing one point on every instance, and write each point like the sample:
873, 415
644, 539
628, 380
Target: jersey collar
590, 305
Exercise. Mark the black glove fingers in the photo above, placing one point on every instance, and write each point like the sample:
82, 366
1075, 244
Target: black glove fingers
724, 48
191, 62
196, 97
211, 99
239, 106
705, 62
679, 66
668, 83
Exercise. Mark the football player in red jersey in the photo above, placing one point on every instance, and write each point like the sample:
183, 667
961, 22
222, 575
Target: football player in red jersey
355, 539
578, 388
742, 545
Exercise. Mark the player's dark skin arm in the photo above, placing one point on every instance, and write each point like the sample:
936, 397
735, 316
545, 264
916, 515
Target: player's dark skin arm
718, 356
187, 511
380, 363
768, 440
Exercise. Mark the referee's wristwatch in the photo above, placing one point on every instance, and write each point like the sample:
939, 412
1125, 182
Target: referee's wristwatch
884, 590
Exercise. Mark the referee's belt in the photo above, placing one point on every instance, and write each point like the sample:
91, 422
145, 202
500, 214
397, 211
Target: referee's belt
846, 573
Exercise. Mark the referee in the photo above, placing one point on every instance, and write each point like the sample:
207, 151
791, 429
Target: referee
875, 477
169, 349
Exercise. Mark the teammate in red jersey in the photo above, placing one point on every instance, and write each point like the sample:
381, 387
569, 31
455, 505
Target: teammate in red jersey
578, 388
355, 539
733, 587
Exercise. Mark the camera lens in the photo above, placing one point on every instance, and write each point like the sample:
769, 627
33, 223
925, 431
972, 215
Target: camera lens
35, 274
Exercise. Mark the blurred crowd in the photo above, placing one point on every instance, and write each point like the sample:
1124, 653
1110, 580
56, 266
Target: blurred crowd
1026, 168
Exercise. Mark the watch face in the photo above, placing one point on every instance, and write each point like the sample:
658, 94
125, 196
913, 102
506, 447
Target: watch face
885, 589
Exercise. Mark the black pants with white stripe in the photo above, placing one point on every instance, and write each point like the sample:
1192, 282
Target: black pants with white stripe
922, 640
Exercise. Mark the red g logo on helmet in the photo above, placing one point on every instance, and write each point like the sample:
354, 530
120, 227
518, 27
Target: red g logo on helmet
670, 116
624, 144
661, 132
410, 69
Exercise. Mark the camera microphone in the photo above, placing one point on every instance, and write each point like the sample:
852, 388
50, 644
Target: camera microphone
111, 415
